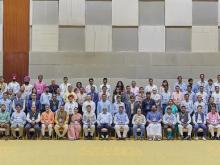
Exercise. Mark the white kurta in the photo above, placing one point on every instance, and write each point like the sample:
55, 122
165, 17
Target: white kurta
154, 129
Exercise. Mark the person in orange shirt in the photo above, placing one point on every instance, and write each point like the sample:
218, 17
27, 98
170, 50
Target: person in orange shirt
47, 121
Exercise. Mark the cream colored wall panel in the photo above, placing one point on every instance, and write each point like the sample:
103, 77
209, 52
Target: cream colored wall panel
146, 43
204, 38
31, 12
72, 12
45, 12
1, 37
125, 12
44, 38
219, 13
1, 12
98, 38
178, 12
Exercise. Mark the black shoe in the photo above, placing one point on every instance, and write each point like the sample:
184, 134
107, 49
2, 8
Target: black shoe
212, 138
217, 138
60, 138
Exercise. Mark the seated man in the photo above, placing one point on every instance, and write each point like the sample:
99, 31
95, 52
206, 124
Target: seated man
138, 122
33, 120
121, 123
18, 119
47, 121
4, 120
154, 130
104, 121
89, 120
213, 120
169, 121
61, 120
184, 120
199, 121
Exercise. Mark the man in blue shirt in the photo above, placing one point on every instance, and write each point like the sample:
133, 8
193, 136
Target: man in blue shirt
94, 95
104, 103
104, 122
121, 123
33, 101
18, 120
181, 84
5, 100
147, 104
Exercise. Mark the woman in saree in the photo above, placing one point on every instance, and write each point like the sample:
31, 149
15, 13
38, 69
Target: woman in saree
75, 122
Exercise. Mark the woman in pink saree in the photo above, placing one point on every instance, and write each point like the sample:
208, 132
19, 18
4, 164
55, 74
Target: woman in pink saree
75, 121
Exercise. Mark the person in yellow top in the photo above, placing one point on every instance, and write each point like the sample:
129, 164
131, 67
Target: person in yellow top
3, 85
47, 121
61, 120
68, 93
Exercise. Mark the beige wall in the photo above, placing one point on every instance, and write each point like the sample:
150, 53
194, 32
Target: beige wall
125, 66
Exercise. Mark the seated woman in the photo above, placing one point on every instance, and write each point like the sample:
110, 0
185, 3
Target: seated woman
75, 122
173, 107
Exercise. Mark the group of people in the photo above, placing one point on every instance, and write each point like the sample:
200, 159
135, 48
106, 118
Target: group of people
41, 109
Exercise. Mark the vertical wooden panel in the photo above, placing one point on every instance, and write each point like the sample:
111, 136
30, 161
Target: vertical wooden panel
16, 38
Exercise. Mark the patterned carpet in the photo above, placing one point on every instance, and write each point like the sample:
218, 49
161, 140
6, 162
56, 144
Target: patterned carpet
109, 152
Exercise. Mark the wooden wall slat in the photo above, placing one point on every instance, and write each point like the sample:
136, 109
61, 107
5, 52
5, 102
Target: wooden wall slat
15, 38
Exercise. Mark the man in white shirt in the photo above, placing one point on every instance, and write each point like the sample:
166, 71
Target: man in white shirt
217, 83
27, 87
104, 122
202, 81
14, 85
188, 104
202, 103
89, 120
70, 105
150, 86
216, 96
45, 99
134, 88
91, 83
105, 83
210, 87
89, 102
64, 86
203, 94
